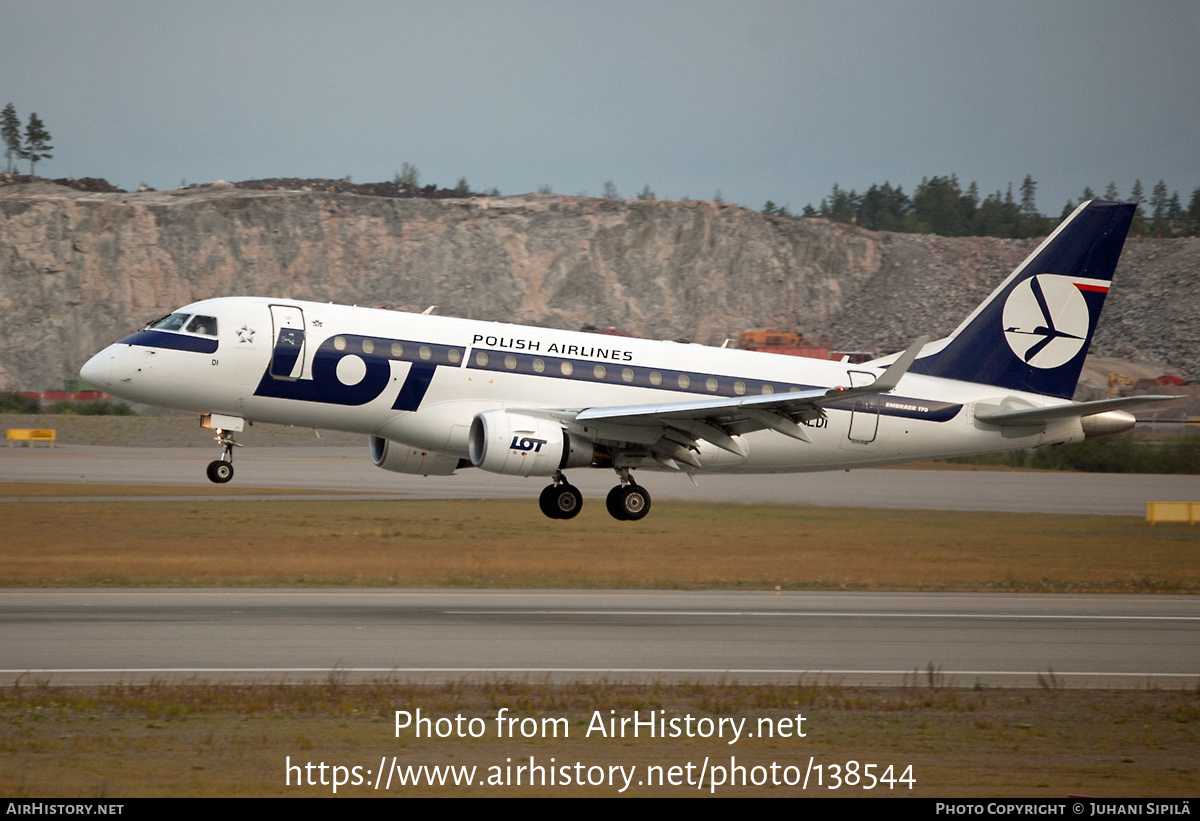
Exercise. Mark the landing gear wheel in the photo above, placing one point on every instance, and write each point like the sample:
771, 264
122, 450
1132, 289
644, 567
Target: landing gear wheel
561, 501
613, 503
220, 471
628, 503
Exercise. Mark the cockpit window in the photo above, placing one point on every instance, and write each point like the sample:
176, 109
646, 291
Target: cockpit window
170, 323
206, 325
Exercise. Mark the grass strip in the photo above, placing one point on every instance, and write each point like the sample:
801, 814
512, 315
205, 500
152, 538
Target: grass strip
684, 545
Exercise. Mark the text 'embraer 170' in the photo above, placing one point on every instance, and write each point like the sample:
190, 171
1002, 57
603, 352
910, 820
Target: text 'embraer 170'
437, 394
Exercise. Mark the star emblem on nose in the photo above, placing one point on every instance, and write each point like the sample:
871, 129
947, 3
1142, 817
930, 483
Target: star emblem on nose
245, 334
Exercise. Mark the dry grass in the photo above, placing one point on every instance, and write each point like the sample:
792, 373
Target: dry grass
505, 544
233, 741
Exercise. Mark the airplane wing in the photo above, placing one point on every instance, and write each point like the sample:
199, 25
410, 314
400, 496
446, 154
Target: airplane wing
672, 430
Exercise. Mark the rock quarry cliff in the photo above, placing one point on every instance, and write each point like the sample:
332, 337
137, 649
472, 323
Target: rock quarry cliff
79, 270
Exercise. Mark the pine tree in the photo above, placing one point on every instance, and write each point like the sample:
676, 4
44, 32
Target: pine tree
840, 206
37, 142
407, 176
1012, 216
990, 218
610, 191
1110, 193
1193, 211
1174, 208
1158, 200
1028, 196
938, 205
970, 201
1158, 210
1139, 219
10, 130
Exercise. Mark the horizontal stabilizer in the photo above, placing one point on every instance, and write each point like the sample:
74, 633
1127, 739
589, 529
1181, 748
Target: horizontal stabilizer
1038, 416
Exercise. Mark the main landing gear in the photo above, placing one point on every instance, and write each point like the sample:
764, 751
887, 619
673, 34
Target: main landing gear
221, 470
627, 502
561, 500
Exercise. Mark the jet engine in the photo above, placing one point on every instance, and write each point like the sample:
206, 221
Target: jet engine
1108, 423
520, 445
402, 458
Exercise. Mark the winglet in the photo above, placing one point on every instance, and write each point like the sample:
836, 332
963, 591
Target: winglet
890, 378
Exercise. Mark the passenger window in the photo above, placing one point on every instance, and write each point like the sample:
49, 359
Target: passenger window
655, 378
627, 375
710, 383
206, 325
685, 381
170, 323
454, 356
599, 371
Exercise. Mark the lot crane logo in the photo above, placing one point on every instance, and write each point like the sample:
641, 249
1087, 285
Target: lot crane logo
1046, 320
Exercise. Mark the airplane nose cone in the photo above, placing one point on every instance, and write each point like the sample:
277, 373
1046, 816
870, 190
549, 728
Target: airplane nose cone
97, 371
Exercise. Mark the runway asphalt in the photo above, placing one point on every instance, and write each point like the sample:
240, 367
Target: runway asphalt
963, 640
81, 637
350, 469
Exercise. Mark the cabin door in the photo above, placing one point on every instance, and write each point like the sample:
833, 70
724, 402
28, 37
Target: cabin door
287, 357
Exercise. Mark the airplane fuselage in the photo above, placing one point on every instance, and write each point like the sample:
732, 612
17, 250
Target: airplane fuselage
421, 380
436, 394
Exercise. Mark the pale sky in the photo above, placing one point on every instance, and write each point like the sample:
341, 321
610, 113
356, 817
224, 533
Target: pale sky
761, 100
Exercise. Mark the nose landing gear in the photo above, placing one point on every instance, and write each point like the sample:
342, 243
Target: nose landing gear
561, 500
221, 470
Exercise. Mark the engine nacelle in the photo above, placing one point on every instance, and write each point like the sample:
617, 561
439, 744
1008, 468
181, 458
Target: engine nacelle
520, 445
402, 458
1108, 423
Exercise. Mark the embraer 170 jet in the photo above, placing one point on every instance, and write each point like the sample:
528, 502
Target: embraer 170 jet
437, 394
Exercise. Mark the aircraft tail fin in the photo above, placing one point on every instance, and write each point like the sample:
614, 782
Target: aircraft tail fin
1033, 332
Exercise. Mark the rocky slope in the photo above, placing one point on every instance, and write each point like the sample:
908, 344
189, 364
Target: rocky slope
79, 269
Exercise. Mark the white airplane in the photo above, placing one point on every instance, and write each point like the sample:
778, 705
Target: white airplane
437, 394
